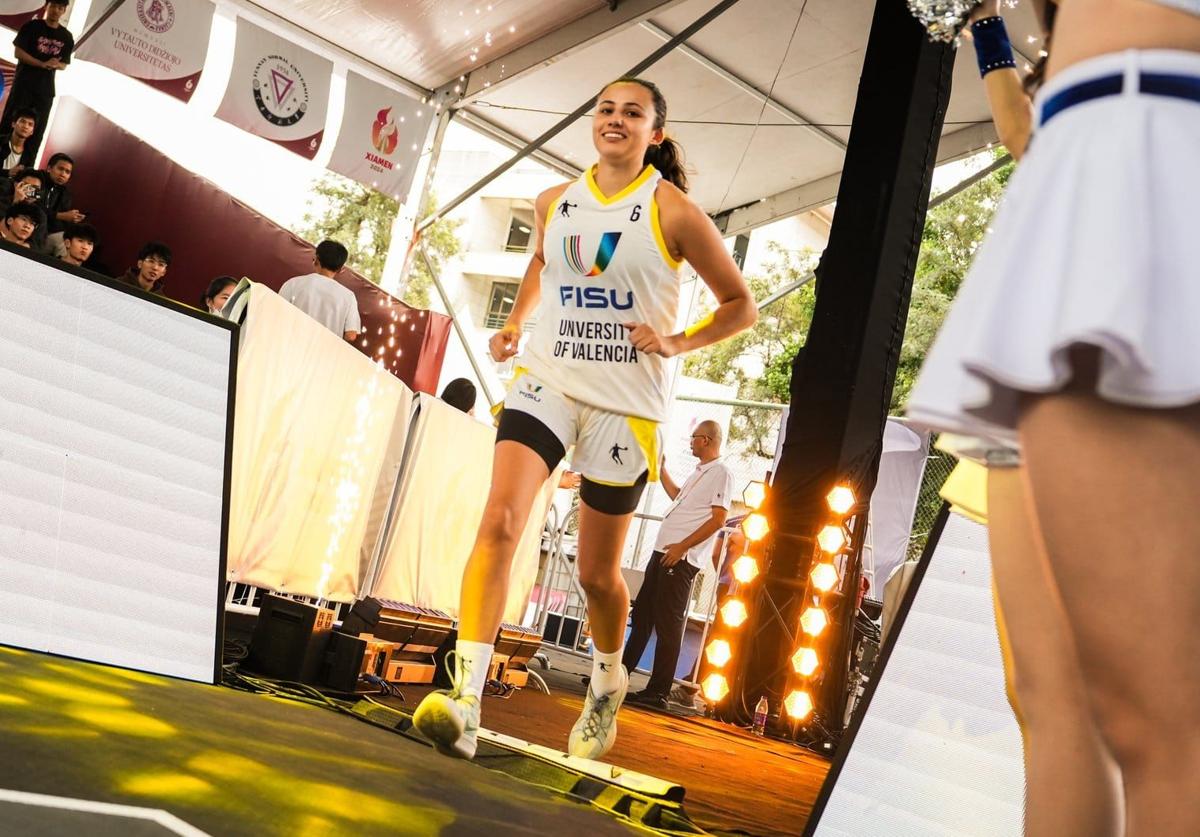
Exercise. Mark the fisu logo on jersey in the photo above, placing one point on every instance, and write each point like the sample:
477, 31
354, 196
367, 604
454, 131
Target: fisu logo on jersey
573, 253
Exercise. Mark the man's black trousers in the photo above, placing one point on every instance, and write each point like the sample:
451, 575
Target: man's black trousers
661, 607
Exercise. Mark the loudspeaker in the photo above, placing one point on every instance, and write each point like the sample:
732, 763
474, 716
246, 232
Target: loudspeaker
289, 639
349, 657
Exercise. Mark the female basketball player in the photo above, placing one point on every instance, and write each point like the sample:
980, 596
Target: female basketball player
595, 377
1076, 334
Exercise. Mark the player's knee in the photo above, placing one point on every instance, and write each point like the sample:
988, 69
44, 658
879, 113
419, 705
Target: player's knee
501, 526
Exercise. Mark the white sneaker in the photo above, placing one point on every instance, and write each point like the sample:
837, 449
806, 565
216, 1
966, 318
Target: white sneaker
596, 730
450, 719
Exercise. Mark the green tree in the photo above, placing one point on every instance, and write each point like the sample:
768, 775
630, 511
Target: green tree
953, 231
441, 243
758, 361
362, 219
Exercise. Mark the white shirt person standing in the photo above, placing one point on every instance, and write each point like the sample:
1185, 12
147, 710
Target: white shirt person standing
685, 542
322, 297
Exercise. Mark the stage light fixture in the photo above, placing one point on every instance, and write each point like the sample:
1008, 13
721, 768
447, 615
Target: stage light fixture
734, 613
756, 527
831, 539
805, 661
840, 500
824, 577
755, 494
798, 705
745, 569
718, 652
813, 621
715, 687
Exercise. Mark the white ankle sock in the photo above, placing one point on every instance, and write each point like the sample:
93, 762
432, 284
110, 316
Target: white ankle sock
606, 671
477, 658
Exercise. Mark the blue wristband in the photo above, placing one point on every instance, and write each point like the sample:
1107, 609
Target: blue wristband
993, 50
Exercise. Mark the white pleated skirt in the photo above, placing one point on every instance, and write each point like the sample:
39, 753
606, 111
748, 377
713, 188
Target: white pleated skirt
1096, 243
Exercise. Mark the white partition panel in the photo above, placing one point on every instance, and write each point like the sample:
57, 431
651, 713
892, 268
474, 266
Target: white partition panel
938, 751
443, 489
315, 422
113, 447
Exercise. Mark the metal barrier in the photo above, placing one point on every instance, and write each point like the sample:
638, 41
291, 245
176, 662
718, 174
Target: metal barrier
560, 575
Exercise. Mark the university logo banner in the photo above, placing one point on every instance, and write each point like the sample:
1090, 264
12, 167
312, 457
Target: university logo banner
382, 133
14, 13
162, 43
277, 90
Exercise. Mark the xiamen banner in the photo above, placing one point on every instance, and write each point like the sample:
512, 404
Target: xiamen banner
277, 90
381, 136
162, 43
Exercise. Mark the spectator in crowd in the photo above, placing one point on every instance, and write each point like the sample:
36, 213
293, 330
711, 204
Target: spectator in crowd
684, 545
460, 393
20, 220
44, 47
56, 200
79, 240
26, 186
322, 297
150, 271
218, 293
16, 144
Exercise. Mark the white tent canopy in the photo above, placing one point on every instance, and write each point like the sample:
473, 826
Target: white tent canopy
520, 65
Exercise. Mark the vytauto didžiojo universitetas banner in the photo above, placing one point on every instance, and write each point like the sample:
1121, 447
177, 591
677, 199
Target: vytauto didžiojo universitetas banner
162, 43
277, 90
382, 133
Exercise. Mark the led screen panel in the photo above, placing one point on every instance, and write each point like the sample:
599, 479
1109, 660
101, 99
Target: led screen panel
937, 751
114, 448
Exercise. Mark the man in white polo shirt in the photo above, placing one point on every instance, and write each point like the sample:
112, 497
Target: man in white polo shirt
324, 298
684, 544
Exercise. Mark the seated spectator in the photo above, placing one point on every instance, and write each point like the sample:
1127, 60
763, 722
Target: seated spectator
26, 186
218, 293
150, 271
15, 145
322, 297
56, 198
20, 220
79, 240
460, 393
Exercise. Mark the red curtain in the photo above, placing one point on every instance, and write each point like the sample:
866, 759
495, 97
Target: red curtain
133, 193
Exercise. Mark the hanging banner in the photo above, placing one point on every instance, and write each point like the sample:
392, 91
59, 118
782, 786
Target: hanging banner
161, 43
382, 133
277, 90
14, 13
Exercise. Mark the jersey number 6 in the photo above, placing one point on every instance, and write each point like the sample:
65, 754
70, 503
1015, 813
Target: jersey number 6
637, 212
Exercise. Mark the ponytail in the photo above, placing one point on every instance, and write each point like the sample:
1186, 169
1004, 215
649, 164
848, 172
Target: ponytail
667, 157
1037, 75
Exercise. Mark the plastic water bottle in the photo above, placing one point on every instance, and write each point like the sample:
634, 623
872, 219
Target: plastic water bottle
760, 716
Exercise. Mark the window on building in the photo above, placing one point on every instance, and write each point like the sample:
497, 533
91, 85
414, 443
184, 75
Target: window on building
500, 304
520, 231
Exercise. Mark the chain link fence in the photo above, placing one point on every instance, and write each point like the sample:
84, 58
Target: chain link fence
937, 470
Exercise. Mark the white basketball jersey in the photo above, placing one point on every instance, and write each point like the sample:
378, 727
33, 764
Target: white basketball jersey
607, 264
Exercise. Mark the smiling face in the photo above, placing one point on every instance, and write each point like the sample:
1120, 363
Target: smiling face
624, 123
